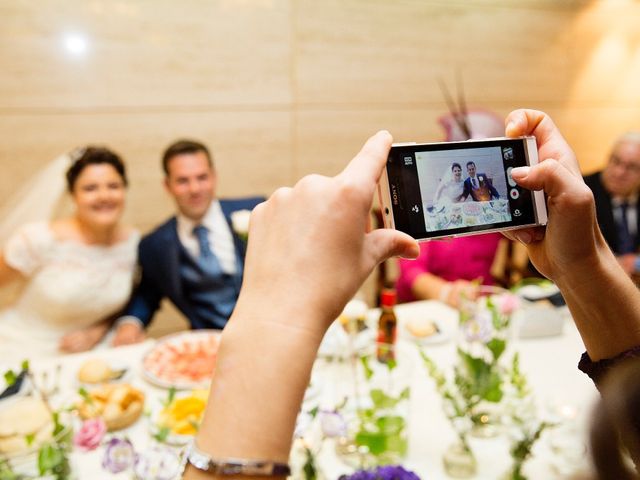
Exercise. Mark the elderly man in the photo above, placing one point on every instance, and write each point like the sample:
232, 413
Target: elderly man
616, 190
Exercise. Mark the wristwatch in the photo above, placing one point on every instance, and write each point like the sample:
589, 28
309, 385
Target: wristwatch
234, 466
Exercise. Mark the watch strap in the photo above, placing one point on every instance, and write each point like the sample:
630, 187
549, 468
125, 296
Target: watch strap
235, 466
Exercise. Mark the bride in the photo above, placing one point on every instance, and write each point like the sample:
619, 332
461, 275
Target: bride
77, 271
451, 186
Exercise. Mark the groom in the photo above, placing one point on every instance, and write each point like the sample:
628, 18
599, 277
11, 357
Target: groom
195, 259
478, 185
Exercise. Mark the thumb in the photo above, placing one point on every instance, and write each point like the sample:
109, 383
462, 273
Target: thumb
385, 243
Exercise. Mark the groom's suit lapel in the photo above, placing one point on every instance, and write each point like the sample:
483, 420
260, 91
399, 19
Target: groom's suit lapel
171, 264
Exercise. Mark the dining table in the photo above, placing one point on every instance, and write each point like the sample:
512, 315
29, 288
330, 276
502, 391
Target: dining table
548, 362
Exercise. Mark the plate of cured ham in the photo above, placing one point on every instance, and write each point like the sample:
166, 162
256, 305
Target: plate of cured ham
183, 361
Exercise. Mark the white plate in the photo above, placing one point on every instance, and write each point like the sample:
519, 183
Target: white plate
167, 350
439, 337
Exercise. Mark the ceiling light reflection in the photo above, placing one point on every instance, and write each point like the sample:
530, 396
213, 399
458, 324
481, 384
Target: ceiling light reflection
75, 44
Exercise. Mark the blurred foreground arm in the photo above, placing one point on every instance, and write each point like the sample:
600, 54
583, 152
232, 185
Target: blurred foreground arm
308, 253
571, 251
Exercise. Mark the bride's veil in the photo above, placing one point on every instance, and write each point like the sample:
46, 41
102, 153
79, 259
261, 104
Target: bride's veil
37, 199
447, 177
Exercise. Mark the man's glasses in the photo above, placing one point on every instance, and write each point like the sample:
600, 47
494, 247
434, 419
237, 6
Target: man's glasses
628, 166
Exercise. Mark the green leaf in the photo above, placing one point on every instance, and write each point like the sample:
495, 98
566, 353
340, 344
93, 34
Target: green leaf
376, 442
171, 395
497, 347
10, 377
309, 469
162, 434
49, 459
390, 425
314, 411
368, 371
25, 365
85, 395
29, 439
397, 444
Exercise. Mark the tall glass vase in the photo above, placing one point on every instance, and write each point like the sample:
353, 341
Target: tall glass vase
377, 412
484, 335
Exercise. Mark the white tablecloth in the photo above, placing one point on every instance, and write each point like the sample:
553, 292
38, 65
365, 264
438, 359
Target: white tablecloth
550, 365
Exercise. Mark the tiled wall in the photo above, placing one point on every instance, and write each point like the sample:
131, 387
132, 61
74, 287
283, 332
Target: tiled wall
281, 88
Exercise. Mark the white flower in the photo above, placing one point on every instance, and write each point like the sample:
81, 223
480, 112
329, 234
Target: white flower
479, 328
333, 424
240, 222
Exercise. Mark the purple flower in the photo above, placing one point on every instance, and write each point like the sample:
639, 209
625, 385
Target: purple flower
157, 463
387, 472
119, 455
479, 328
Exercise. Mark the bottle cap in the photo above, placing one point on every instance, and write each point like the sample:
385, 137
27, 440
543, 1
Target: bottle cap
388, 297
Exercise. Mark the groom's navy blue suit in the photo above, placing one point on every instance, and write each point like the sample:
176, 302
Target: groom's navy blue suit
206, 297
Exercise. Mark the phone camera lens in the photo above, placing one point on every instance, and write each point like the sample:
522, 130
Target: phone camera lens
386, 211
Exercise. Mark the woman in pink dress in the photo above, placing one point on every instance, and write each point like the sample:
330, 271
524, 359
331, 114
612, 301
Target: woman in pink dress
446, 268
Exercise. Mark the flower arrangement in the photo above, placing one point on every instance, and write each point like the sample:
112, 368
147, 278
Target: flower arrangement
387, 472
485, 390
52, 454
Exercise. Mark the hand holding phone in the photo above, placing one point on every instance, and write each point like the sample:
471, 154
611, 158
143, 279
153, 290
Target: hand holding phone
450, 189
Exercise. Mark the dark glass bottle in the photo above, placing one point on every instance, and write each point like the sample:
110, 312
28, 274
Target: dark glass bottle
387, 326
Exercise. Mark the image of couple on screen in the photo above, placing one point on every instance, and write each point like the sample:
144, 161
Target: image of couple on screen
453, 189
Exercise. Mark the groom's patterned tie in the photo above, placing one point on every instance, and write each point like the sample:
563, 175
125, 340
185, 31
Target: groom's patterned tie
207, 259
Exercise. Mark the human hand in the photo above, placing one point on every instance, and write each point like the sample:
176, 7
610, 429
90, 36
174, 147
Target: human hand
83, 339
128, 333
457, 289
309, 250
571, 239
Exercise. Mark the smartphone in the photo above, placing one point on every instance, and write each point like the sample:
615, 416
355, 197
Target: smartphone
451, 189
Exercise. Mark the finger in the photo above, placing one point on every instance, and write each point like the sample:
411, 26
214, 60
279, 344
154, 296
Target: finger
552, 177
382, 244
548, 137
527, 236
367, 165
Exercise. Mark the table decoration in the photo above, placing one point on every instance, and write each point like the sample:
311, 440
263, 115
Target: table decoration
44, 451
387, 472
90, 434
377, 409
119, 455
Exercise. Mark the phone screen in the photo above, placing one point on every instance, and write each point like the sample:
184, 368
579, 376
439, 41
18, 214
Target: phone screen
449, 189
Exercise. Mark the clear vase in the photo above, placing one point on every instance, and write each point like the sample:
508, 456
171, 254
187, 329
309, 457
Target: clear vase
377, 412
485, 333
459, 462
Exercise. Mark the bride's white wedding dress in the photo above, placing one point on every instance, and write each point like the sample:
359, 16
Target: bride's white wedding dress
449, 192
69, 286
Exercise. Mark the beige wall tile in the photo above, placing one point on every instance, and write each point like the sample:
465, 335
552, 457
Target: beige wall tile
251, 150
144, 53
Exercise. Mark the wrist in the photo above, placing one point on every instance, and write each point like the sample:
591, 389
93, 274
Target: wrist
445, 292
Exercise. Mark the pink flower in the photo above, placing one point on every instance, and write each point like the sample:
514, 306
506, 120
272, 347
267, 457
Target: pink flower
508, 303
90, 434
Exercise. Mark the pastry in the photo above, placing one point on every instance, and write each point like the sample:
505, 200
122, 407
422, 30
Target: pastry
96, 371
22, 418
421, 327
118, 405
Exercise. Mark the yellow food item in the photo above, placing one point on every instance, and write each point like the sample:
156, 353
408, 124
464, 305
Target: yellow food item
421, 327
94, 370
183, 415
118, 405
